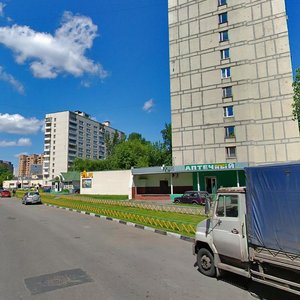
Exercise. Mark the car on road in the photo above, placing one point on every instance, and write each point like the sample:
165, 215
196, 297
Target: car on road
5, 194
31, 198
193, 197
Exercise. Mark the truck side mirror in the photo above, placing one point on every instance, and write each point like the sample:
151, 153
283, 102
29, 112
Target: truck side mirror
207, 206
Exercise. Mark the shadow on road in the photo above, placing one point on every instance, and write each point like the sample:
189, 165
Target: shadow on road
257, 290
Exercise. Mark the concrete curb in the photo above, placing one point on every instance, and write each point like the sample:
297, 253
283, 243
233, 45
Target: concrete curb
162, 232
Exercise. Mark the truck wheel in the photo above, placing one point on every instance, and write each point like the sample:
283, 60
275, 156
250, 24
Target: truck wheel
205, 261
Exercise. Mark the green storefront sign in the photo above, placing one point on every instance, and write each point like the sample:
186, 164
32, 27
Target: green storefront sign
210, 167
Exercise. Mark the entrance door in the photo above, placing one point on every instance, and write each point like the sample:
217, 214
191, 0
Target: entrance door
164, 187
211, 184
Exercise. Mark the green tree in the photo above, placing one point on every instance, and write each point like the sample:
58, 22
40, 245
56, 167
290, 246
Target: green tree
167, 144
111, 141
5, 174
81, 165
131, 153
296, 97
167, 136
136, 136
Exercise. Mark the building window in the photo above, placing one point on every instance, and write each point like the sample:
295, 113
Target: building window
222, 2
228, 111
229, 132
227, 91
225, 72
230, 152
224, 36
224, 53
223, 18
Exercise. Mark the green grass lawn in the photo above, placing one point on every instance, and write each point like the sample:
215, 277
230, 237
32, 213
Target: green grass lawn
161, 219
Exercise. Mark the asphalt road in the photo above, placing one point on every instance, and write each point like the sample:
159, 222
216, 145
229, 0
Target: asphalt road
50, 253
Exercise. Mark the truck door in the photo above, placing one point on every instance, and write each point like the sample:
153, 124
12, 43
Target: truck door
228, 235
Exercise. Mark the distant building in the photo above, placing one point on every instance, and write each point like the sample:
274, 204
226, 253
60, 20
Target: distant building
69, 135
8, 165
231, 83
30, 165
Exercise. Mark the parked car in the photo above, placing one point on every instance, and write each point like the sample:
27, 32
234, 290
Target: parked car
76, 191
5, 194
193, 197
31, 198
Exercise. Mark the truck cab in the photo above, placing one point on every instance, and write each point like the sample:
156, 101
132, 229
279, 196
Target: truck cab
221, 240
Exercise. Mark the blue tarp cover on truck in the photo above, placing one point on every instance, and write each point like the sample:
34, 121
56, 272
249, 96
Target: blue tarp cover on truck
273, 206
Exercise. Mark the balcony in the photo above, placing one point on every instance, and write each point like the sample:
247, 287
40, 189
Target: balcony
73, 125
72, 141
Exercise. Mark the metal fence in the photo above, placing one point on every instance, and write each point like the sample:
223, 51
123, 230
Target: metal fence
159, 223
195, 210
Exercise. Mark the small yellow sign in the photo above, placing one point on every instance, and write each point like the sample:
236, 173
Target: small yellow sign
86, 174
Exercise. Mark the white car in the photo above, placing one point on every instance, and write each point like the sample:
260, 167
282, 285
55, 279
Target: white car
31, 198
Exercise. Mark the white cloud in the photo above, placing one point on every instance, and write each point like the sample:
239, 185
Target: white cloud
19, 143
86, 83
50, 55
19, 125
148, 105
11, 80
24, 142
2, 5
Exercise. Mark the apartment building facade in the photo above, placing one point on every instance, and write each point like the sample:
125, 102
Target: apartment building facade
69, 135
30, 165
231, 82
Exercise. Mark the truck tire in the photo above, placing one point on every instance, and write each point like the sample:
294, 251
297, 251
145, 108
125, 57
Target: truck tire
205, 261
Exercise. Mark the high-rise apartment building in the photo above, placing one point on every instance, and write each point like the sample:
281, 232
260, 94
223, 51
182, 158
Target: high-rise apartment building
29, 162
231, 82
69, 135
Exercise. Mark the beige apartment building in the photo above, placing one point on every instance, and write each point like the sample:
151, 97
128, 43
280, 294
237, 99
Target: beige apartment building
28, 165
231, 82
69, 135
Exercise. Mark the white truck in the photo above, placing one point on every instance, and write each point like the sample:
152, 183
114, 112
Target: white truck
254, 231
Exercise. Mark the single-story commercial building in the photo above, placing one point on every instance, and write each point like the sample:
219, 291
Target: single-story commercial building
163, 182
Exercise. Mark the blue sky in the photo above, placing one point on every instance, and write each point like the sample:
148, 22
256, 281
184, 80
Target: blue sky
108, 58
